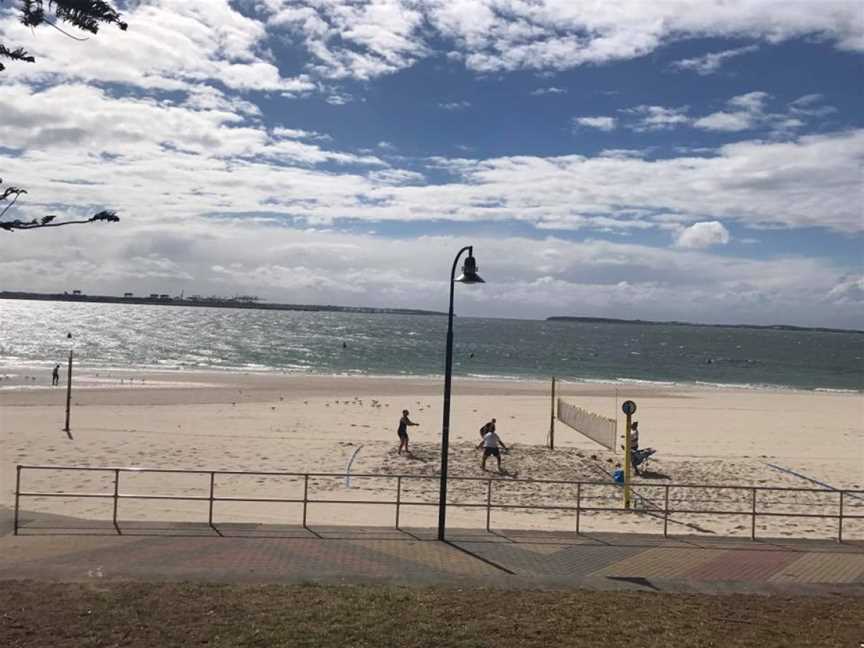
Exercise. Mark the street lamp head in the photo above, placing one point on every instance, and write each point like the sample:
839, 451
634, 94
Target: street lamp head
469, 271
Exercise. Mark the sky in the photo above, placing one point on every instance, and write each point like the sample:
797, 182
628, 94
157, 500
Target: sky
695, 160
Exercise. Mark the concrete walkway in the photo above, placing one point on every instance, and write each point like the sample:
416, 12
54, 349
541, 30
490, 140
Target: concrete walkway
67, 549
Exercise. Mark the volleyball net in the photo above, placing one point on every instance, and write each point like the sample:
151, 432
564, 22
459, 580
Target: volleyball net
600, 429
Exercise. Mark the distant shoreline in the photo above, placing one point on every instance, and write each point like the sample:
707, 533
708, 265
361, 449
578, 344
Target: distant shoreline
768, 327
210, 303
16, 376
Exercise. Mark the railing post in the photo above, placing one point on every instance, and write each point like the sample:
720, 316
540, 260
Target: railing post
840, 520
212, 487
578, 505
666, 513
398, 497
17, 496
488, 504
305, 496
116, 498
753, 520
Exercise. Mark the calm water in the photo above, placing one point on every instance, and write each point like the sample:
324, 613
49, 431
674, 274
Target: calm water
160, 337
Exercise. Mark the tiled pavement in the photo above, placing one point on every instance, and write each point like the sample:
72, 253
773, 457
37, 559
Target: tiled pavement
55, 548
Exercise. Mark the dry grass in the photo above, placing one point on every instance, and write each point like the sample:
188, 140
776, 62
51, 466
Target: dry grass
165, 615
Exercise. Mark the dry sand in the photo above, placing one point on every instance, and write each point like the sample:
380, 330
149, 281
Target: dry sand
273, 422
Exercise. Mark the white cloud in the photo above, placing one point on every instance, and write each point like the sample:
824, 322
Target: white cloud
367, 38
729, 122
848, 290
547, 91
743, 112
361, 40
702, 235
650, 118
600, 123
296, 133
526, 277
170, 45
221, 160
136, 129
455, 105
811, 105
339, 99
712, 62
752, 102
746, 112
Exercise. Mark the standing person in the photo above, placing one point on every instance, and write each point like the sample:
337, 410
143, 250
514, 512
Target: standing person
55, 375
490, 444
487, 427
404, 422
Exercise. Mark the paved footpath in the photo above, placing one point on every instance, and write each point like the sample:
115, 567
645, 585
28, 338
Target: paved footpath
66, 549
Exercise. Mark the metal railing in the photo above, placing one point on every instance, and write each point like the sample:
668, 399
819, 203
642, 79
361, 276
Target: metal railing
645, 505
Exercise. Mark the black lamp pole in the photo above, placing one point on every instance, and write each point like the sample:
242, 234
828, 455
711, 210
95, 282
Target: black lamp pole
469, 275
68, 384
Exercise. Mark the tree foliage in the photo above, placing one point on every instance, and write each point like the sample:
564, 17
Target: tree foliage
87, 15
84, 14
11, 194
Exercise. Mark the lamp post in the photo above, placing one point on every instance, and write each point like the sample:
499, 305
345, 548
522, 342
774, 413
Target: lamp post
469, 276
68, 384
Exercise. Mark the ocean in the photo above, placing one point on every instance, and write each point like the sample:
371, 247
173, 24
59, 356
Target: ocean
33, 334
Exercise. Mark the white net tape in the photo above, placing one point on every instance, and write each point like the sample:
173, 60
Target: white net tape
597, 428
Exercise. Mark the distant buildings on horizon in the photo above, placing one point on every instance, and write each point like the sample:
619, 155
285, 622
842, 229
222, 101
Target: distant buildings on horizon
240, 299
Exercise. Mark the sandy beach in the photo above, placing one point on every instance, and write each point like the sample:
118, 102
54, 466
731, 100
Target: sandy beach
298, 423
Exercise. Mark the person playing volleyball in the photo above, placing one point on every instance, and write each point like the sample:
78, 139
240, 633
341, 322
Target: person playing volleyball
490, 444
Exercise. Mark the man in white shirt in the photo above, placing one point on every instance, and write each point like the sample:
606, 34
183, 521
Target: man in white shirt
490, 444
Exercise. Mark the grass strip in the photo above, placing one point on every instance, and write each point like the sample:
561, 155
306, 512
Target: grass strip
234, 616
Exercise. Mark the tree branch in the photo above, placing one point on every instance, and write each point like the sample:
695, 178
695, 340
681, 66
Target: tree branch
87, 15
10, 226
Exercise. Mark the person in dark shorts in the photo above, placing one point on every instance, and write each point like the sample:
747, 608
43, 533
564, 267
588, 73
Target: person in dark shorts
488, 427
490, 444
55, 375
402, 432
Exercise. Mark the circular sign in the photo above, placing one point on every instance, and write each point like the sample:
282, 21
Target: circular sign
628, 407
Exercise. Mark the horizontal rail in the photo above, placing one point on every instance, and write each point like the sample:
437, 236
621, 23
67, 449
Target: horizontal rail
202, 471
754, 512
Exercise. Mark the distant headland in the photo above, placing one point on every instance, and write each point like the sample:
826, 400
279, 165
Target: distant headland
772, 327
244, 301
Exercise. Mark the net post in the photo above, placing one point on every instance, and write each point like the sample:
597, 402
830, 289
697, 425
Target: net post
627, 464
398, 497
68, 392
305, 497
840, 519
488, 503
116, 498
212, 486
753, 514
578, 506
666, 512
17, 496
552, 418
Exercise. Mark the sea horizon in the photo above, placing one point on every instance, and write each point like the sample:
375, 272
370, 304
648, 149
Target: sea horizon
109, 337
236, 303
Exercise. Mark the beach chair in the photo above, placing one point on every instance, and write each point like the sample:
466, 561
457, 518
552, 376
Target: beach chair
640, 457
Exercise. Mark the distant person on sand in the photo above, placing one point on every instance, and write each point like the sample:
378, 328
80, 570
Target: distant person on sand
490, 444
55, 375
634, 436
487, 427
404, 422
